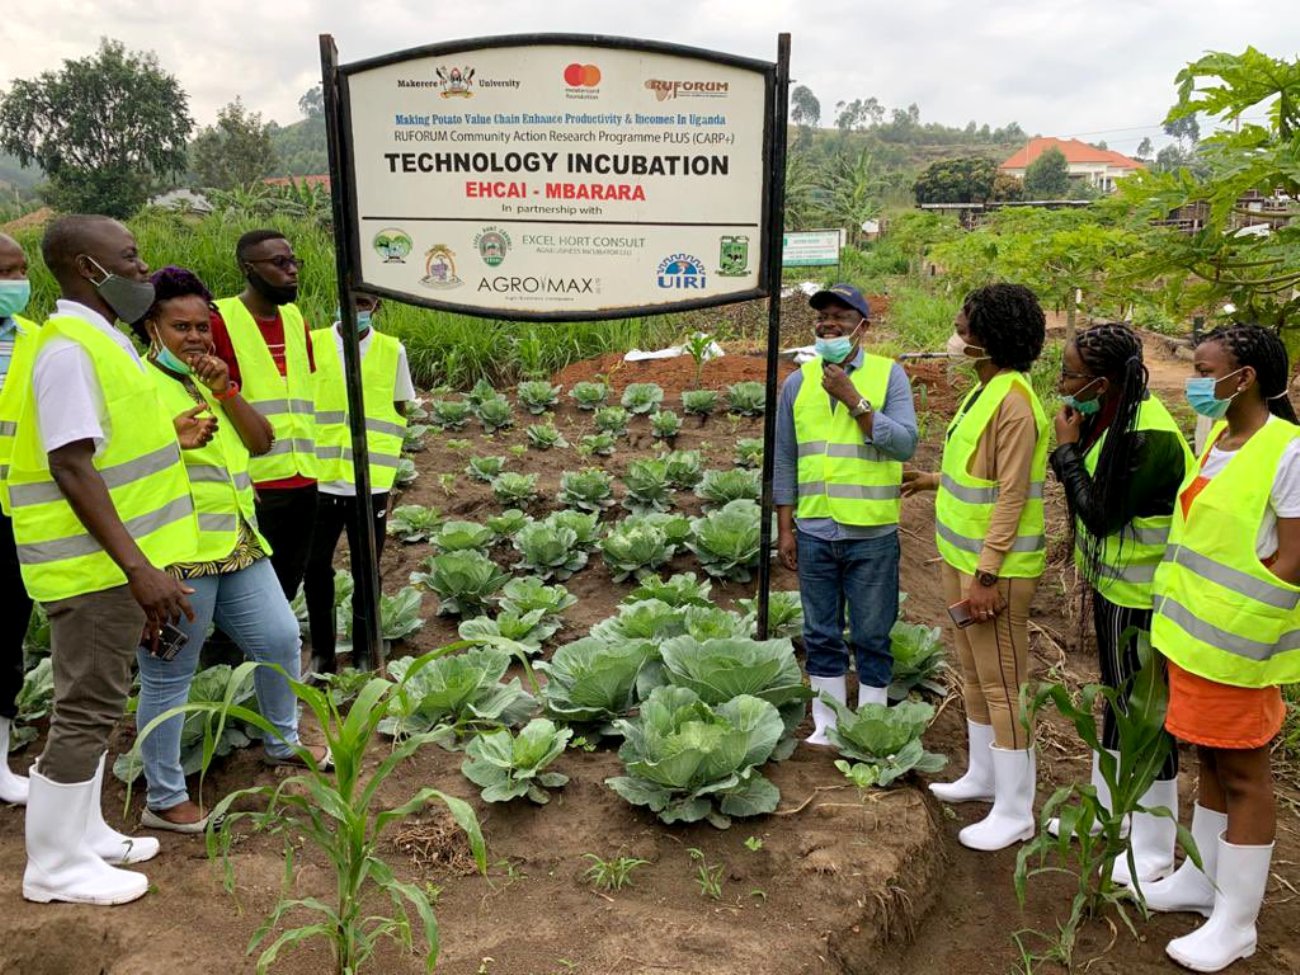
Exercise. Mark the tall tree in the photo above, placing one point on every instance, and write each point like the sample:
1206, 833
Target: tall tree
312, 103
1048, 176
967, 180
234, 152
805, 109
1144, 149
103, 129
852, 192
1184, 128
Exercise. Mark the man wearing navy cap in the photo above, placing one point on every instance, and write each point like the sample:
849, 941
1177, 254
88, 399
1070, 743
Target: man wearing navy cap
844, 425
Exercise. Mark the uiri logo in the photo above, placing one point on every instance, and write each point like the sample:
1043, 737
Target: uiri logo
684, 271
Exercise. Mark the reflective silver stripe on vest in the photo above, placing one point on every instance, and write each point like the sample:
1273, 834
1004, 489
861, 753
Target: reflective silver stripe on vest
1025, 543
331, 416
374, 426
286, 446
22, 495
218, 523
1137, 574
345, 454
979, 495
1233, 579
75, 546
854, 492
279, 407
8, 428
4, 471
213, 474
1147, 536
1223, 640
856, 451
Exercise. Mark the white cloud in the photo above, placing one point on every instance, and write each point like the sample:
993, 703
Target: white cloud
1105, 69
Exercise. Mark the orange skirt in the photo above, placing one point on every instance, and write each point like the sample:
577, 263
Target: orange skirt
1205, 712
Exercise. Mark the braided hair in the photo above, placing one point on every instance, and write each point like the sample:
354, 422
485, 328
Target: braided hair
1114, 351
1262, 350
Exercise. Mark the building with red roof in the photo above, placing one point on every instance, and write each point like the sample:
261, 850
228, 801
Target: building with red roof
1097, 167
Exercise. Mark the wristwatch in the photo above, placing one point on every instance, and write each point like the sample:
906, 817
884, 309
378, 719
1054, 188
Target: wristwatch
861, 409
986, 579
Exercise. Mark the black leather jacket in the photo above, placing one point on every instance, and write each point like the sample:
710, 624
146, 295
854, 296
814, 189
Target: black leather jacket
1152, 479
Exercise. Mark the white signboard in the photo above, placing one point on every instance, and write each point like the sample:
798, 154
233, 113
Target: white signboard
557, 180
811, 248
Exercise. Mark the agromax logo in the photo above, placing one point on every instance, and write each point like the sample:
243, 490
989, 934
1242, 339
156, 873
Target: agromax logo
665, 90
682, 271
582, 81
440, 268
492, 244
557, 287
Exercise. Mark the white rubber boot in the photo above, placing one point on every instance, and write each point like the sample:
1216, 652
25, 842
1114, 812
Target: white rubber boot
114, 847
977, 784
823, 714
13, 788
872, 695
1011, 820
1152, 838
1189, 888
1229, 934
1103, 796
60, 864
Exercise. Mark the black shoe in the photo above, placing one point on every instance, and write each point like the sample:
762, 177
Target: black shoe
321, 664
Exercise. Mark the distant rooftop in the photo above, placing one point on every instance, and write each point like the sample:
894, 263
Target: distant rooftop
1074, 152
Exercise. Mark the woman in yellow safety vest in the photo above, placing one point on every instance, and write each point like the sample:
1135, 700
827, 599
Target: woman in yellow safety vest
989, 531
1121, 458
1227, 617
231, 575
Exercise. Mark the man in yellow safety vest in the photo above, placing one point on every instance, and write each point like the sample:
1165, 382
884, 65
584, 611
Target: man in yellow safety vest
844, 425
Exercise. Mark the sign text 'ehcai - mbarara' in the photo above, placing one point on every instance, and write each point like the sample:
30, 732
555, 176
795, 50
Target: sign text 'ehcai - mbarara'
558, 178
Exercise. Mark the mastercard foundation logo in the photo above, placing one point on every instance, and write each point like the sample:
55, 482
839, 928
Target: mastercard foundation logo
582, 76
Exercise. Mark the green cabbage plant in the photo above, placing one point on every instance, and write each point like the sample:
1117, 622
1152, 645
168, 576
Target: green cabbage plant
719, 487
464, 582
749, 452
747, 398
699, 402
399, 614
512, 488
590, 489
406, 473
410, 523
530, 629
635, 552
612, 420
686, 761
413, 438
648, 619
463, 690
919, 659
714, 623
450, 414
600, 444
684, 468
462, 536
665, 425
483, 390
591, 680
647, 486
548, 551
589, 396
510, 767
585, 526
676, 528
523, 595
683, 589
508, 523
888, 738
537, 396
485, 468
494, 413
784, 613
726, 541
545, 436
641, 398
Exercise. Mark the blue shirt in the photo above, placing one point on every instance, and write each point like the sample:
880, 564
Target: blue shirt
8, 333
893, 434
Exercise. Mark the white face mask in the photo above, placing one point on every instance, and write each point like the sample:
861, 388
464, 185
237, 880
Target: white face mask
959, 348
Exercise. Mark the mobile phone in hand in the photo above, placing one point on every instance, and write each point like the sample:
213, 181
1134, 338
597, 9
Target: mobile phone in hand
167, 644
961, 615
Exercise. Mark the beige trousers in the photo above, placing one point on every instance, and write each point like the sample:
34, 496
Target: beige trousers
994, 657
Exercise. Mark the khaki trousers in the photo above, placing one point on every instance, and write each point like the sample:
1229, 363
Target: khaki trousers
994, 657
93, 639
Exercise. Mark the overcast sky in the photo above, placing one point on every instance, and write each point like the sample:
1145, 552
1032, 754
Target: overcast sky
1097, 70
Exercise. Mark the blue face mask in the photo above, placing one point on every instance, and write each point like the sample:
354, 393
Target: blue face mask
834, 350
14, 295
1087, 407
173, 362
363, 320
1201, 397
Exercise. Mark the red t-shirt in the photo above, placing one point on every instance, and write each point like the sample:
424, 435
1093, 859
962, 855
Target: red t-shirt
272, 330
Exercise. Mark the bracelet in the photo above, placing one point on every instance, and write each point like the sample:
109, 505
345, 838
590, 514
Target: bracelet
232, 390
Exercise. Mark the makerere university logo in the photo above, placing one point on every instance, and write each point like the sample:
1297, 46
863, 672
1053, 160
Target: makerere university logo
682, 271
455, 82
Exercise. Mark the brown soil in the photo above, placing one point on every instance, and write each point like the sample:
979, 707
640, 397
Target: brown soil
839, 886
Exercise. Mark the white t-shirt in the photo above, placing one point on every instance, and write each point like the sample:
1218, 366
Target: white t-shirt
69, 401
403, 390
1284, 499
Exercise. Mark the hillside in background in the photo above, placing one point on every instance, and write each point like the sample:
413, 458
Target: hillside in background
300, 148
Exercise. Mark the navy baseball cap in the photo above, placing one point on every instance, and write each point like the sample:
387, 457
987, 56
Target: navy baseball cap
845, 293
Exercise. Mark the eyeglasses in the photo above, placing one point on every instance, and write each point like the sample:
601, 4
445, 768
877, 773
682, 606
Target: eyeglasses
280, 261
1067, 374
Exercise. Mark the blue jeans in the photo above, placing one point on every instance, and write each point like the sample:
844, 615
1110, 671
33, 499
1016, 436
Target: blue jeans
250, 606
862, 576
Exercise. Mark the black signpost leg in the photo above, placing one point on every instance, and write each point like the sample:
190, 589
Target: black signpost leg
366, 640
775, 228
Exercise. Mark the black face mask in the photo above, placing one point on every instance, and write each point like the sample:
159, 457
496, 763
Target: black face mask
277, 294
130, 300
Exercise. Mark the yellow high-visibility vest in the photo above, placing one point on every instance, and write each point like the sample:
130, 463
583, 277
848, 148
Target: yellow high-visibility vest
839, 476
1129, 556
385, 427
218, 471
12, 395
284, 400
963, 509
1219, 612
141, 467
